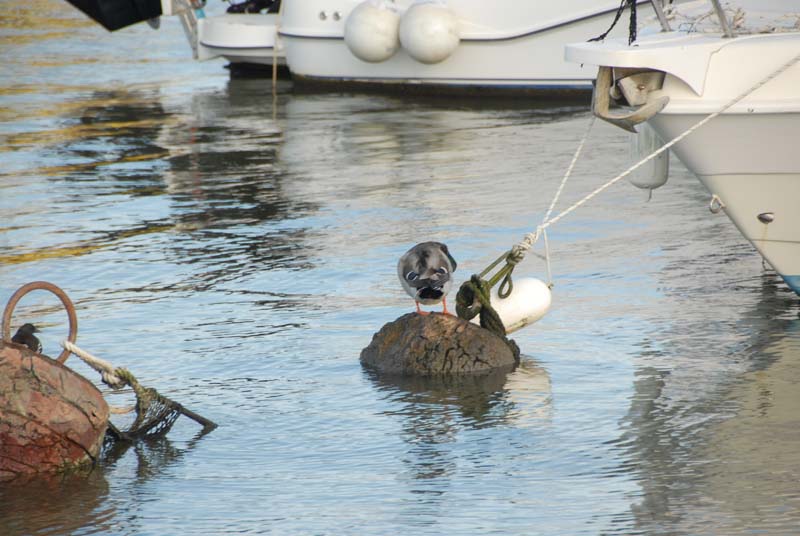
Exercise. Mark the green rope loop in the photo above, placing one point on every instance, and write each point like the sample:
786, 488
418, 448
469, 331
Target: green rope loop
144, 395
126, 376
474, 299
503, 275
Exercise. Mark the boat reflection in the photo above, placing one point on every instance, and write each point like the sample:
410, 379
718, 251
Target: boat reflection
129, 143
712, 438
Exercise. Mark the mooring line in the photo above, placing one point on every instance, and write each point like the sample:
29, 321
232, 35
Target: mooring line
518, 250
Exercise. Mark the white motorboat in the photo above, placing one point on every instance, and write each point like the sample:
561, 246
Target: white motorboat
426, 45
240, 38
747, 156
245, 34
436, 45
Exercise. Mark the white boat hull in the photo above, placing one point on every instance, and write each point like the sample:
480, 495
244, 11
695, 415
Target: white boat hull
240, 38
747, 196
749, 155
505, 45
754, 172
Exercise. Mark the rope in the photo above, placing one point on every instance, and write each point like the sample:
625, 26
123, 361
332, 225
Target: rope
632, 23
617, 15
516, 254
472, 297
569, 169
531, 238
106, 369
275, 62
153, 411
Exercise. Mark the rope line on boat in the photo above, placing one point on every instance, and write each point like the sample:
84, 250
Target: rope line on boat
517, 253
473, 296
275, 61
530, 239
517, 258
617, 15
519, 250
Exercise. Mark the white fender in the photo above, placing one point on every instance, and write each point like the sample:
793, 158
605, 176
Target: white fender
652, 174
371, 31
529, 301
429, 31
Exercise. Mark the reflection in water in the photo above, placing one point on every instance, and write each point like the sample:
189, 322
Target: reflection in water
152, 456
236, 251
64, 504
719, 454
34, 20
112, 144
78, 502
750, 480
398, 140
434, 410
438, 416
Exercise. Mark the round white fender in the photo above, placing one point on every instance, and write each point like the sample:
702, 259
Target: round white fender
429, 31
654, 173
370, 31
529, 301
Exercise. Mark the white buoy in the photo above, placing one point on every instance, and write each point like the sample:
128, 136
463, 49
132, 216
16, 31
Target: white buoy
429, 31
371, 31
652, 174
529, 301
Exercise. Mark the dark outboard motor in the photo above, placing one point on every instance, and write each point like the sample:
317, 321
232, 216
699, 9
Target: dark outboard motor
116, 14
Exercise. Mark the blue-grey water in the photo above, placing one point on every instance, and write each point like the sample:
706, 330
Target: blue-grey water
237, 251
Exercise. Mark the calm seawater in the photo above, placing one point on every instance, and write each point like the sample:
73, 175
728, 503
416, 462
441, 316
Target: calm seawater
237, 253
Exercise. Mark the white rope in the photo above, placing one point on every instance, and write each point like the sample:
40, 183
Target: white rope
560, 189
531, 238
106, 369
569, 169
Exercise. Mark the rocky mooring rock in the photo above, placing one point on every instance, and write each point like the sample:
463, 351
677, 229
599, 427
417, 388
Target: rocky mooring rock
437, 344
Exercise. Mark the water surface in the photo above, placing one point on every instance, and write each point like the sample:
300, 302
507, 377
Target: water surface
237, 252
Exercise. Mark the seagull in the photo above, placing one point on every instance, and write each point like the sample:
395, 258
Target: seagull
424, 272
25, 335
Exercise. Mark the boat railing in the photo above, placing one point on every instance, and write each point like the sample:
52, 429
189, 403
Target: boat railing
727, 29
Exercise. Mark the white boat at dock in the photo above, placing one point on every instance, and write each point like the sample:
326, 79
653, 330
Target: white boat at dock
246, 34
503, 47
430, 45
240, 38
748, 68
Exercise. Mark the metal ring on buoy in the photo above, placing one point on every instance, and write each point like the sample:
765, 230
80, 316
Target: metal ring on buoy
42, 285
